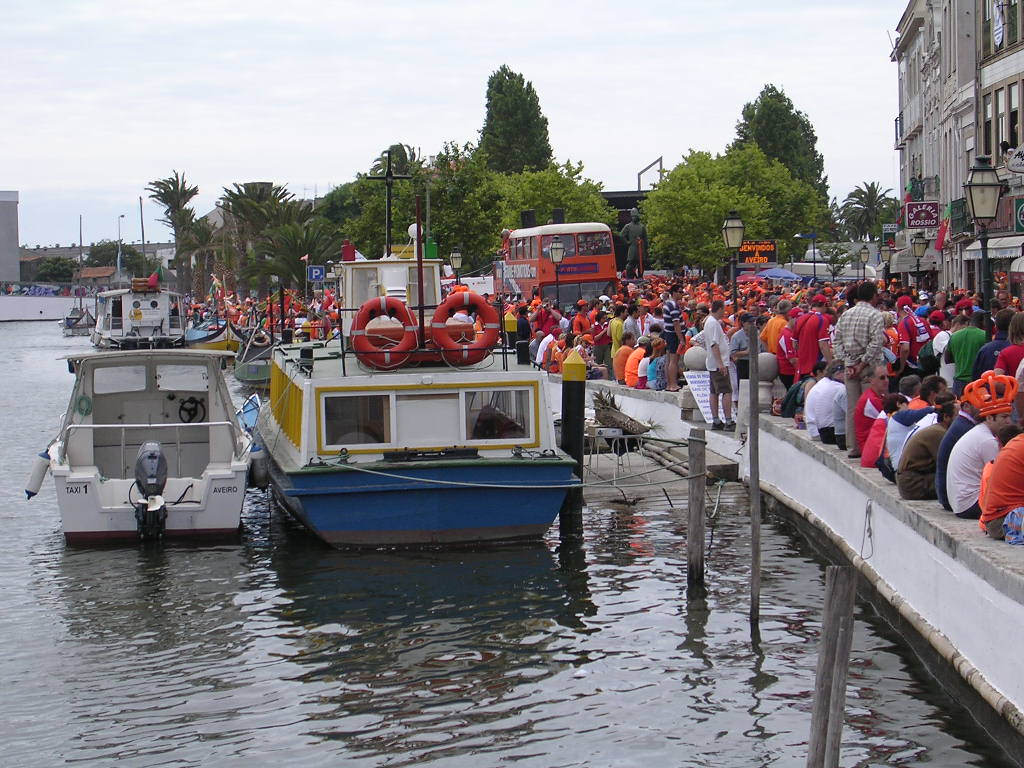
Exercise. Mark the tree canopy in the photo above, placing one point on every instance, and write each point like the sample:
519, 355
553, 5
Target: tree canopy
557, 186
60, 269
174, 193
684, 213
104, 254
783, 133
865, 209
515, 132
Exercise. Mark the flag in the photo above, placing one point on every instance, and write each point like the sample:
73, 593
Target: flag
940, 238
154, 281
305, 258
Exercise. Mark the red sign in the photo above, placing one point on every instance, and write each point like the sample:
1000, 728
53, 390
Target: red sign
922, 215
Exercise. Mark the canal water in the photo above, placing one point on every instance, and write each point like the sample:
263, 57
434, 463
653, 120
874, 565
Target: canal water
276, 649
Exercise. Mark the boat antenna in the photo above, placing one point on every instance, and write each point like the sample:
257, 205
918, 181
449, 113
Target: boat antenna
78, 287
389, 182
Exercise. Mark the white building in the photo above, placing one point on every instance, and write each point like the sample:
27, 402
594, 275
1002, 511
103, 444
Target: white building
10, 265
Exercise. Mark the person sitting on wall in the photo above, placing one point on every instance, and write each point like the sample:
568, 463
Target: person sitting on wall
819, 403
1002, 503
962, 424
915, 474
992, 396
870, 403
621, 356
874, 448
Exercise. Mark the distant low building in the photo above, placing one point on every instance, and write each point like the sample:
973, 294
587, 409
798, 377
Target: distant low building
95, 277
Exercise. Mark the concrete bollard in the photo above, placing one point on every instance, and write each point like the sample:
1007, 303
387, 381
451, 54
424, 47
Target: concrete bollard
574, 398
696, 463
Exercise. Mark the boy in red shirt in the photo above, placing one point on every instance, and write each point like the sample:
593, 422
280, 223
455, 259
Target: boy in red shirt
812, 338
786, 352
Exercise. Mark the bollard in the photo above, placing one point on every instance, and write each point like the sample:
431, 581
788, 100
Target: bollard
523, 353
833, 664
754, 462
696, 464
574, 398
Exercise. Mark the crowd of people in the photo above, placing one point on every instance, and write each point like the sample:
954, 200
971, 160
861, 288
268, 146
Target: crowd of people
924, 388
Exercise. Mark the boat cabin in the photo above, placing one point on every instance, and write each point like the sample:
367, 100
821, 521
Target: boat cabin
132, 318
362, 280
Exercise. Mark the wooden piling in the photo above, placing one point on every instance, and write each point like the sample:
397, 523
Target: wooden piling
696, 459
754, 461
833, 664
574, 397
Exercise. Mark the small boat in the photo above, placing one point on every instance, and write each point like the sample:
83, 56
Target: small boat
252, 362
78, 322
140, 317
412, 442
214, 333
150, 446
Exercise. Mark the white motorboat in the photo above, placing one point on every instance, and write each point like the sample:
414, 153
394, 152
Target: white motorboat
150, 446
138, 317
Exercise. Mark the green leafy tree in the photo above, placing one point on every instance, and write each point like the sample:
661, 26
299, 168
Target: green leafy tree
104, 254
864, 209
340, 205
684, 213
783, 133
557, 186
515, 132
174, 193
835, 258
281, 249
57, 270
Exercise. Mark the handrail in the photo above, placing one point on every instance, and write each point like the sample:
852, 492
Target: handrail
65, 433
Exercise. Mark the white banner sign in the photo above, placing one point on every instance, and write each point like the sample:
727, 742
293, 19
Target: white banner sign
700, 385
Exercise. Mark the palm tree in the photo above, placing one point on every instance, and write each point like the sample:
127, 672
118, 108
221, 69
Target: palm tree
251, 208
196, 246
174, 194
403, 156
281, 249
863, 208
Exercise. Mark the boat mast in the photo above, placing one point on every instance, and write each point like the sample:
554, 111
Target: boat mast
78, 285
389, 182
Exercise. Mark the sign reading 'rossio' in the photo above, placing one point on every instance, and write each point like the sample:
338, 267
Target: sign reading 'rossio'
757, 253
922, 214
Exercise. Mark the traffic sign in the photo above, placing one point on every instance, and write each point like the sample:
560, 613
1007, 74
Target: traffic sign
315, 273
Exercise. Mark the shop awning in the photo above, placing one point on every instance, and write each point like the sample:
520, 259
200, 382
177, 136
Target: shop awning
998, 248
903, 261
1017, 270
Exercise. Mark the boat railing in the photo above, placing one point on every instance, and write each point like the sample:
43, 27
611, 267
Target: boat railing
233, 431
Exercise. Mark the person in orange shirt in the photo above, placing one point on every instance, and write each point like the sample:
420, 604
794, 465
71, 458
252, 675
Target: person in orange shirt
643, 349
580, 322
621, 356
773, 328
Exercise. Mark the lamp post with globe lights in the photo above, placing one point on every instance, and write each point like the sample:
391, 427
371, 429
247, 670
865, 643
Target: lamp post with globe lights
732, 234
983, 190
557, 253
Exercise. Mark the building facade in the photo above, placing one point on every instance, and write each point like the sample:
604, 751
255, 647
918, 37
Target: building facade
10, 267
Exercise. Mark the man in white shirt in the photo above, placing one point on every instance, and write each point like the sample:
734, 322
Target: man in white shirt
820, 405
543, 347
717, 345
976, 449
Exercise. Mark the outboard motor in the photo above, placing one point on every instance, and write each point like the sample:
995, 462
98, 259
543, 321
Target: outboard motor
151, 477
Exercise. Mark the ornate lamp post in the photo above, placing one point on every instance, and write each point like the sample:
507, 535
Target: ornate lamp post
732, 234
455, 257
557, 253
918, 246
865, 256
983, 190
884, 254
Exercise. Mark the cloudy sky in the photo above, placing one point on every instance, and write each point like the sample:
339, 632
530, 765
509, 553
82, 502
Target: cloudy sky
101, 97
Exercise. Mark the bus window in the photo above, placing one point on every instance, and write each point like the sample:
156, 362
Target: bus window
568, 240
518, 250
594, 243
528, 245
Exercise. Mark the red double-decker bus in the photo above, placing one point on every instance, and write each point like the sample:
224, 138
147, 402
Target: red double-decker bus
586, 272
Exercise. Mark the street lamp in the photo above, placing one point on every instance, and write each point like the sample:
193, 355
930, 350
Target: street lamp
884, 254
557, 253
732, 234
119, 271
918, 246
865, 255
456, 261
983, 190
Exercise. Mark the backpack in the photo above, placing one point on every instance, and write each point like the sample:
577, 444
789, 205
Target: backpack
927, 360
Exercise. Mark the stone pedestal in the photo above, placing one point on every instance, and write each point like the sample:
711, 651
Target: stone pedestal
695, 359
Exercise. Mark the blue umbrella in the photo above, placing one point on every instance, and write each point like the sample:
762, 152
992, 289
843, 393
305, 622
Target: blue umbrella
777, 273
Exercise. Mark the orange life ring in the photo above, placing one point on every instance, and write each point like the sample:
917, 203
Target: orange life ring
383, 358
457, 353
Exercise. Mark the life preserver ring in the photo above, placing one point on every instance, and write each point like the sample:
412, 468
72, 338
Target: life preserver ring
260, 339
383, 357
458, 353
83, 405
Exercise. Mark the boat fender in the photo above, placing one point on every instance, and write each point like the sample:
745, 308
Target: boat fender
84, 405
35, 477
458, 353
259, 467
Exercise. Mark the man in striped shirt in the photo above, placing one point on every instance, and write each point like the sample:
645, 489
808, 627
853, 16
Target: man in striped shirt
860, 335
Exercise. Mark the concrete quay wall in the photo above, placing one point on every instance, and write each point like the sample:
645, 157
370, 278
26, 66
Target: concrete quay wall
13, 308
960, 592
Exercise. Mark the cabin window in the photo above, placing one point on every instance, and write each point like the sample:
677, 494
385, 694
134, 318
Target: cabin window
120, 378
428, 418
364, 285
497, 414
182, 378
429, 296
357, 420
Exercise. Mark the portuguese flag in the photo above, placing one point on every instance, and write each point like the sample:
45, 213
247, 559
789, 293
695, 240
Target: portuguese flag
940, 238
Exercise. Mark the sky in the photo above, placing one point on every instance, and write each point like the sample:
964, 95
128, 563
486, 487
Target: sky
99, 98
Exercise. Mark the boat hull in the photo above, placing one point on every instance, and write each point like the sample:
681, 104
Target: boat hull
349, 508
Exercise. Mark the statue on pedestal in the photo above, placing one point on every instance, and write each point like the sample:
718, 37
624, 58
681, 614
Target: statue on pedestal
635, 235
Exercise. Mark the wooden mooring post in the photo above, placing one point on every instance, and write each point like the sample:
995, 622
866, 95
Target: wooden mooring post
574, 398
833, 664
696, 449
754, 461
